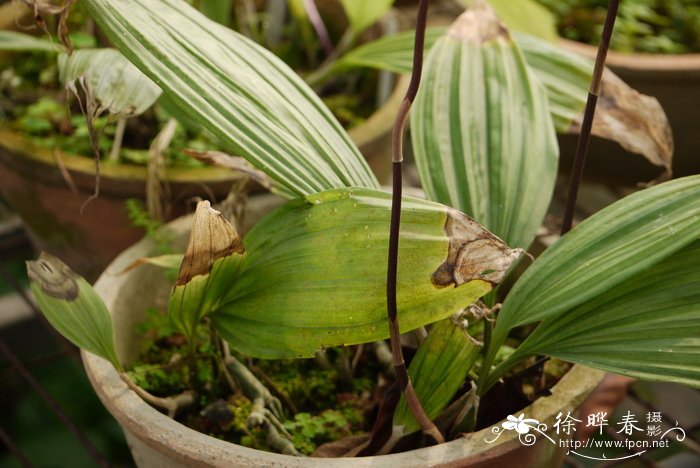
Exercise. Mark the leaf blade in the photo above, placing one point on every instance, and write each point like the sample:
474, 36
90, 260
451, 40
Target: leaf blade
498, 159
72, 307
437, 371
314, 273
119, 87
647, 327
603, 251
249, 99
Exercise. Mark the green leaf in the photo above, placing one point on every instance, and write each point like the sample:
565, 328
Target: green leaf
20, 42
117, 85
364, 13
527, 16
393, 53
647, 327
213, 255
314, 273
73, 308
257, 107
635, 121
438, 370
612, 246
217, 10
482, 135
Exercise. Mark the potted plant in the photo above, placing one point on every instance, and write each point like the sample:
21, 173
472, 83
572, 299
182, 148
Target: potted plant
54, 210
613, 293
656, 52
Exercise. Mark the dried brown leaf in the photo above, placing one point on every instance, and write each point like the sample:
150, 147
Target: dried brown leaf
212, 237
234, 163
635, 121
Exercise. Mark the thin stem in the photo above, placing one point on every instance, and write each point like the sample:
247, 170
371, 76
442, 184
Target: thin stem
118, 139
402, 378
327, 69
317, 23
589, 113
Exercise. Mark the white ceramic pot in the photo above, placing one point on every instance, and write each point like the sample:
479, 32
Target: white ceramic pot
158, 441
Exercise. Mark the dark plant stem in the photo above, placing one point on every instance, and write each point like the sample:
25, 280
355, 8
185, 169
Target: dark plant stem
589, 113
402, 377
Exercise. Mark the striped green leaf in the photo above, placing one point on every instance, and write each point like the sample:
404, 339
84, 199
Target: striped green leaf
635, 121
646, 327
73, 308
258, 107
482, 135
314, 273
437, 371
601, 253
116, 84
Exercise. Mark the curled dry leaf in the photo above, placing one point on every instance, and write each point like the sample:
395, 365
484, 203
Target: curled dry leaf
636, 121
234, 163
212, 238
474, 253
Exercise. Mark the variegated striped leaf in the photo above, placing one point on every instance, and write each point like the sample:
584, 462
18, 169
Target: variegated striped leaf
258, 107
482, 134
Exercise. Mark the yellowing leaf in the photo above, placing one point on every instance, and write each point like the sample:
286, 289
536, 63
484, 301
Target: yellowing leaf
314, 273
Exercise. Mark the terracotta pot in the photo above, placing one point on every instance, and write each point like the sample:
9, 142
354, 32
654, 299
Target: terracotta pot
158, 441
34, 187
673, 80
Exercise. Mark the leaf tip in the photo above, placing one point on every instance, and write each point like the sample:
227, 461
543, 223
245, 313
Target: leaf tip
53, 277
478, 24
212, 237
474, 253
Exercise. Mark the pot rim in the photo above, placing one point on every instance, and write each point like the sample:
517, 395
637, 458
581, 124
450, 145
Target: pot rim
19, 145
637, 61
191, 447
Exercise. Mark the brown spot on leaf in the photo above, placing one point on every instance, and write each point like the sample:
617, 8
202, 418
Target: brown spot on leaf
54, 277
478, 24
212, 237
474, 253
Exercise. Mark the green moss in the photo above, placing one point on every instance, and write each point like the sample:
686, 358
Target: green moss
328, 406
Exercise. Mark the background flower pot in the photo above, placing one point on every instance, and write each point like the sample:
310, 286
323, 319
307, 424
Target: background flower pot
673, 80
158, 441
33, 185
35, 188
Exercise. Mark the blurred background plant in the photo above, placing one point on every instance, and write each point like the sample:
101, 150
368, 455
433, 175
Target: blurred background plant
651, 26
